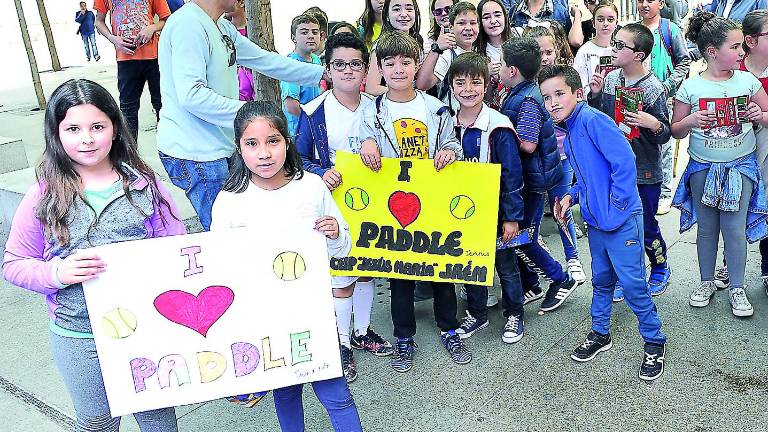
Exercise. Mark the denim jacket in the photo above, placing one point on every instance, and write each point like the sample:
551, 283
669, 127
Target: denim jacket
722, 190
557, 10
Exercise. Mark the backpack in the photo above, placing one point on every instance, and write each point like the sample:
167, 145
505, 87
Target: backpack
665, 29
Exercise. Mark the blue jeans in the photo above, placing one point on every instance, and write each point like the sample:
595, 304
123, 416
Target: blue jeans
618, 256
655, 246
534, 260
201, 181
511, 288
89, 41
78, 365
333, 394
559, 191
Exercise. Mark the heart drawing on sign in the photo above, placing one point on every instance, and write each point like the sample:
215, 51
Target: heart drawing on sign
198, 312
405, 207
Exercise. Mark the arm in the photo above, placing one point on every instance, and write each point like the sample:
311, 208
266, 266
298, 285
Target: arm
426, 78
292, 105
79, 17
576, 35
23, 263
681, 120
341, 246
373, 82
761, 99
447, 136
605, 136
504, 147
683, 61
306, 146
658, 110
165, 221
528, 125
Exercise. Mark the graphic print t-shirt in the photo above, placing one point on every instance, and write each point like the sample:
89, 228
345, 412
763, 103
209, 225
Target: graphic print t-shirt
343, 125
409, 122
129, 17
725, 143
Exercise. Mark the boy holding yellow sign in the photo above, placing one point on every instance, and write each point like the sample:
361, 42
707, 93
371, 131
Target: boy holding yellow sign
487, 136
405, 123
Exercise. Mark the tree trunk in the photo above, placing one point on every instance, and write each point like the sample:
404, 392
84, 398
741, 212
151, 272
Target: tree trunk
30, 55
49, 36
258, 15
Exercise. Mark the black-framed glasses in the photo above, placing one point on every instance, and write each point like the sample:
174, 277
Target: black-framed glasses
341, 65
231, 47
441, 11
620, 45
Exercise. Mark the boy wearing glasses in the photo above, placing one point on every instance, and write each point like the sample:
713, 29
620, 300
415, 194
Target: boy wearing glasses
318, 140
606, 190
647, 129
305, 33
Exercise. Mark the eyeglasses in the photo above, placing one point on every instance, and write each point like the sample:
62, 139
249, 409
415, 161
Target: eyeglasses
341, 65
437, 13
231, 47
620, 45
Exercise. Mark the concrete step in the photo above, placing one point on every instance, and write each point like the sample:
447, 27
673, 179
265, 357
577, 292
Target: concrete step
12, 155
13, 186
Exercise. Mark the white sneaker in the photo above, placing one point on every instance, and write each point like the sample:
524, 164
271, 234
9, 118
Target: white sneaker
740, 305
701, 295
665, 205
492, 299
576, 271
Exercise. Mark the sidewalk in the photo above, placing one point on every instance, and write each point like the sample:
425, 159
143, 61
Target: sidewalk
716, 376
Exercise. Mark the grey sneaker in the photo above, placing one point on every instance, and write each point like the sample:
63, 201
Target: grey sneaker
740, 305
701, 295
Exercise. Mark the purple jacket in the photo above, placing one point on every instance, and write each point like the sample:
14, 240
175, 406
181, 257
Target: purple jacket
31, 258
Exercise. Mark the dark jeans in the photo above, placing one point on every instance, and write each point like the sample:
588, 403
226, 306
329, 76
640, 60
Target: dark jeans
764, 257
89, 42
201, 182
655, 246
131, 77
534, 260
511, 288
404, 315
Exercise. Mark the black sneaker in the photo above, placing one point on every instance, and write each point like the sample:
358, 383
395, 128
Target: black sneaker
402, 358
653, 362
557, 294
533, 294
371, 342
722, 278
455, 347
348, 364
594, 344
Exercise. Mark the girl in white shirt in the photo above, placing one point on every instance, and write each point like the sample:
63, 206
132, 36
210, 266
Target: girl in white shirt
494, 31
605, 19
266, 182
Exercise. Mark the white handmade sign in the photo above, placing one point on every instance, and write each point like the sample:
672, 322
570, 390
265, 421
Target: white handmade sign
186, 319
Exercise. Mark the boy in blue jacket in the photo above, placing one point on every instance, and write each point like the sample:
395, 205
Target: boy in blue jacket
521, 58
606, 189
487, 136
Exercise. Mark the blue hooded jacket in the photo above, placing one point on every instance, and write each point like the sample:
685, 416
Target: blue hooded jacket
604, 164
542, 168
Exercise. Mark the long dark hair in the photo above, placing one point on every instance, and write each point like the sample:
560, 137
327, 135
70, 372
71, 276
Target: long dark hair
482, 38
366, 22
239, 174
57, 171
434, 27
753, 24
415, 31
707, 29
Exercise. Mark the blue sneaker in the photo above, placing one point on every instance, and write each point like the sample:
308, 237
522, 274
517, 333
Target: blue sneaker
513, 329
459, 352
618, 293
402, 358
659, 279
248, 400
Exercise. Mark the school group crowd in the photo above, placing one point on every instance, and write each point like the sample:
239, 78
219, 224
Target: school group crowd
491, 83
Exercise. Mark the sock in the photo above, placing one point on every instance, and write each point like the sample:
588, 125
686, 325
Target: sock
343, 308
362, 304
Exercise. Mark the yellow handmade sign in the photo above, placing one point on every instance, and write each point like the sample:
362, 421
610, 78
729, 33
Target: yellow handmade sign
409, 221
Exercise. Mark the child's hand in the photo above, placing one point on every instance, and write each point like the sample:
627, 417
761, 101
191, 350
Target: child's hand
328, 226
510, 230
576, 13
446, 41
443, 158
754, 112
701, 119
596, 83
79, 267
562, 206
494, 69
370, 155
332, 179
642, 119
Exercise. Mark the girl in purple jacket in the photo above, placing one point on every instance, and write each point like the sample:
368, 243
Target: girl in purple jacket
92, 189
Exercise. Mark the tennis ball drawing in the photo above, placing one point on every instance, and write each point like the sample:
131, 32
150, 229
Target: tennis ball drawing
118, 323
462, 207
289, 266
356, 199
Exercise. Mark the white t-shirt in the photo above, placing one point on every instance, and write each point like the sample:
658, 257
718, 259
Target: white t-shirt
493, 53
409, 120
342, 125
445, 60
586, 61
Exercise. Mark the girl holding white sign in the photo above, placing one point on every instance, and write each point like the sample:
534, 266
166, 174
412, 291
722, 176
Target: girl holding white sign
267, 183
93, 189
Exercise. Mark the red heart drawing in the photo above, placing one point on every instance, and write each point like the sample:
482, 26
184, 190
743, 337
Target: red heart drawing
405, 207
196, 312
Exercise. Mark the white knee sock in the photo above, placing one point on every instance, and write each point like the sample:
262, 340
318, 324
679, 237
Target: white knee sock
362, 299
343, 308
